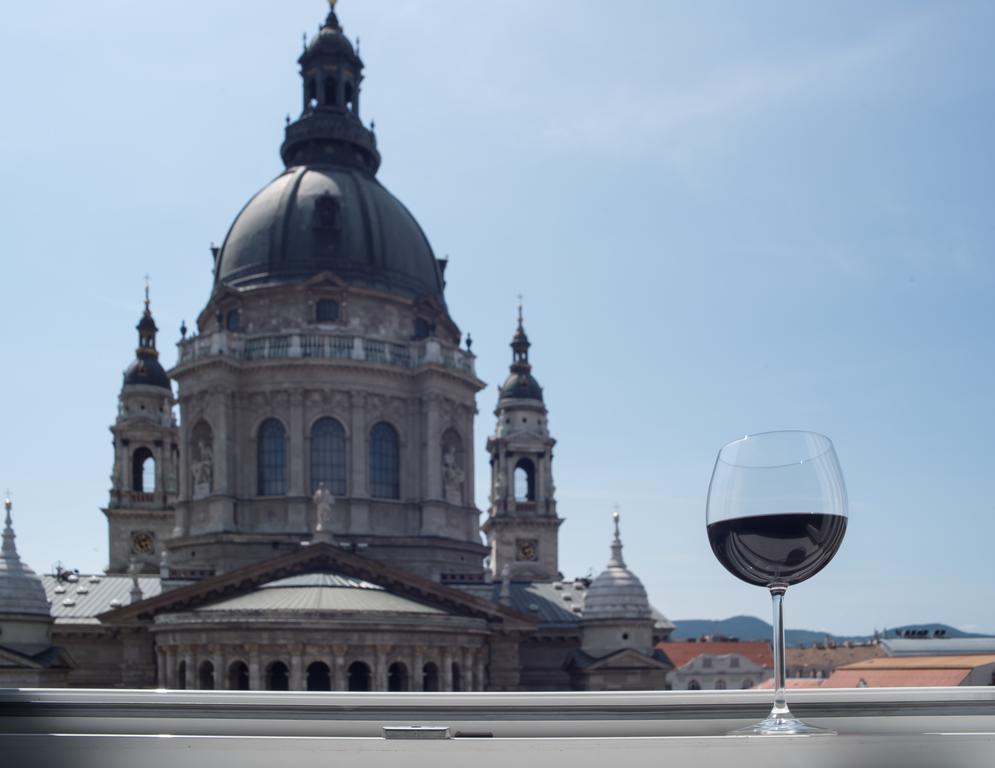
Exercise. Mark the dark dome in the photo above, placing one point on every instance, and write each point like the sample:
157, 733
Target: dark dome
521, 386
315, 218
147, 370
330, 40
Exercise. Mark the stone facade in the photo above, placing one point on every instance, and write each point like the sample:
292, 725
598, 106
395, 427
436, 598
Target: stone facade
308, 522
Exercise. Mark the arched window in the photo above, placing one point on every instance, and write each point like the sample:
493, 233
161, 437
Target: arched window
319, 678
430, 677
312, 92
694, 685
328, 456
720, 685
143, 471
525, 480
181, 676
326, 311
277, 677
359, 676
331, 94
238, 676
385, 462
271, 457
205, 676
457, 677
348, 94
233, 321
397, 677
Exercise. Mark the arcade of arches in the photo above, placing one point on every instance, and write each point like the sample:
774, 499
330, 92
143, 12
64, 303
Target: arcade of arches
330, 668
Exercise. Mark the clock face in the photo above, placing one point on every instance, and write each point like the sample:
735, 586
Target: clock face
143, 542
526, 549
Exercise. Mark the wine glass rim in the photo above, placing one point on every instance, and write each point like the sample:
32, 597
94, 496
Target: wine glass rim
827, 447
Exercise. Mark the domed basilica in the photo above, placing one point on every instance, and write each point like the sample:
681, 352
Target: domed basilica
299, 514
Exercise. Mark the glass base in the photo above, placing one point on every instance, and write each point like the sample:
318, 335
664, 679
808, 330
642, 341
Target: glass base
782, 724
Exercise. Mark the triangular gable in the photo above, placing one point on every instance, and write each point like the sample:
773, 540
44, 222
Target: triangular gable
52, 657
626, 658
318, 558
326, 278
10, 658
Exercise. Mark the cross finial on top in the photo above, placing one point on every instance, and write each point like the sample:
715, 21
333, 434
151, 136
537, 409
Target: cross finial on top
519, 308
146, 291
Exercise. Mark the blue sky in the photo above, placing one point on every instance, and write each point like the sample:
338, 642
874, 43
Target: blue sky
725, 218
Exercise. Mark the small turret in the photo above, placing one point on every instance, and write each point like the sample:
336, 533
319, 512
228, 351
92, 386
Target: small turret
25, 613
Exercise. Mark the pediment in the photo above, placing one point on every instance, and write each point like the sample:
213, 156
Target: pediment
320, 559
326, 279
626, 658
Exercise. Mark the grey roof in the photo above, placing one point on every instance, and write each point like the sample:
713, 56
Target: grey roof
940, 646
326, 592
21, 591
557, 603
316, 218
82, 600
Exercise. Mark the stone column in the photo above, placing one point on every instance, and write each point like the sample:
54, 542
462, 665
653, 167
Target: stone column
480, 675
124, 465
255, 669
218, 660
433, 449
160, 663
160, 471
221, 444
466, 668
191, 669
340, 679
380, 668
417, 665
295, 455
171, 662
358, 461
469, 483
446, 673
297, 668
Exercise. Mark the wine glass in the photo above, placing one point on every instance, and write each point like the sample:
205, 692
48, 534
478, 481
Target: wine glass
776, 515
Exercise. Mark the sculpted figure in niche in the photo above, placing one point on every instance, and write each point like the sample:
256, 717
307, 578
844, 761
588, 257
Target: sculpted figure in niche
203, 470
323, 504
452, 476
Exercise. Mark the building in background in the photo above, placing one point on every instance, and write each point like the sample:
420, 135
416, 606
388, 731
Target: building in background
915, 672
715, 665
307, 519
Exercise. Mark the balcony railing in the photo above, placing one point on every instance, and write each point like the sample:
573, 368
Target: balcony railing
910, 727
329, 346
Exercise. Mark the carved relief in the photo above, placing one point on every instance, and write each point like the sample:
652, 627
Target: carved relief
202, 465
453, 476
324, 502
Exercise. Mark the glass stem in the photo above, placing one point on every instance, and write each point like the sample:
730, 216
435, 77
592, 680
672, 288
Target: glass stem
780, 700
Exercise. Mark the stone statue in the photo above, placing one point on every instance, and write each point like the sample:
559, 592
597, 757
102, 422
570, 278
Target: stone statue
323, 504
452, 477
203, 470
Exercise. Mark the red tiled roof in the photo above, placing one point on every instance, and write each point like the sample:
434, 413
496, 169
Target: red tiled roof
795, 682
895, 678
757, 651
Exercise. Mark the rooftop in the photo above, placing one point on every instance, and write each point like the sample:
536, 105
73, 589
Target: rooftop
682, 652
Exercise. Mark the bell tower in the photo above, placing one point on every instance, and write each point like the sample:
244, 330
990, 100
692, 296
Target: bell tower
140, 512
522, 524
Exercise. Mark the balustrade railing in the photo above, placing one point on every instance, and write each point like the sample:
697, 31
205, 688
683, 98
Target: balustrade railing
326, 346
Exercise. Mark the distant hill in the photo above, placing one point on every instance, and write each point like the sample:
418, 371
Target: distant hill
752, 628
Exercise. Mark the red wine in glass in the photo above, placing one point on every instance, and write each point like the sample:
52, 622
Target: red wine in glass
783, 548
776, 515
